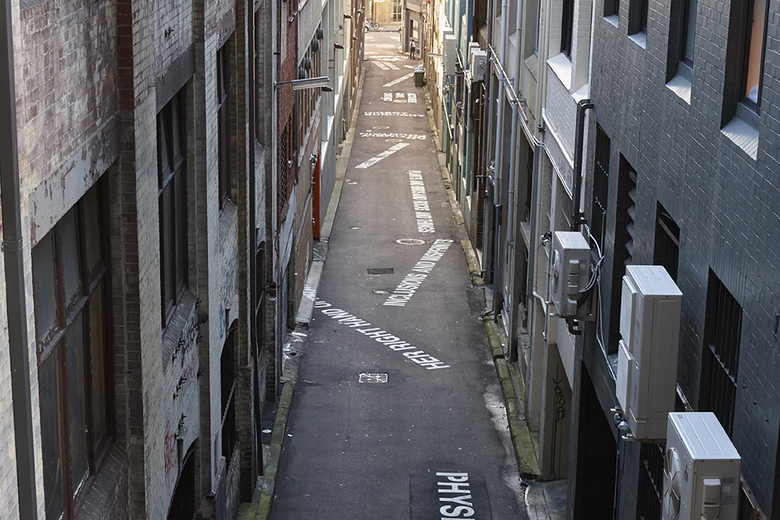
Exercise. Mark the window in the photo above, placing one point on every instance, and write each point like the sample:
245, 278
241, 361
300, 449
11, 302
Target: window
223, 122
755, 46
172, 196
722, 331
228, 377
637, 16
611, 8
688, 31
396, 11
600, 187
567, 26
624, 243
70, 294
667, 241
650, 482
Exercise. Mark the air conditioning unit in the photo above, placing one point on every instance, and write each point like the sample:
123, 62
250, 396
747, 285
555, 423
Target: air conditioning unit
570, 272
450, 54
477, 62
701, 469
647, 367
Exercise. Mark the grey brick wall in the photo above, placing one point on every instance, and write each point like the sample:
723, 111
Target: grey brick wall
725, 202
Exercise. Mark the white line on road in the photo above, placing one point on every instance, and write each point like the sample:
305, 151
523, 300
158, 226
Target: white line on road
382, 65
386, 153
399, 80
412, 281
387, 96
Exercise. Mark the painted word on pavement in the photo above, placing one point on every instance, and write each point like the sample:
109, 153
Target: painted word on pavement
412, 281
392, 342
420, 201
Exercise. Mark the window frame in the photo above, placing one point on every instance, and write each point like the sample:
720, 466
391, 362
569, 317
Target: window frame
52, 346
745, 65
172, 212
567, 27
222, 67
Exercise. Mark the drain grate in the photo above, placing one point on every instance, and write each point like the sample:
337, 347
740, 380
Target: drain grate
380, 270
410, 241
373, 377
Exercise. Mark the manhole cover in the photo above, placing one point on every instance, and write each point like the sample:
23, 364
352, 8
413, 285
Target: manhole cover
410, 241
380, 270
373, 377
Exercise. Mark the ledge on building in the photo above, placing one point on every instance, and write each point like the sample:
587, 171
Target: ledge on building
742, 134
681, 86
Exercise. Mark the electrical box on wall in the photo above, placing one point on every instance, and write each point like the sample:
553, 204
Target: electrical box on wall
647, 356
701, 469
450, 54
570, 273
477, 63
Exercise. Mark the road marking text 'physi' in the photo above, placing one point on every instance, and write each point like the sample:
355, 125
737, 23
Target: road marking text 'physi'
387, 339
451, 488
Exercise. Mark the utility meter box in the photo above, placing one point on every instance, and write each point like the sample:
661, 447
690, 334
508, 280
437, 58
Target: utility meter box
450, 54
701, 469
570, 273
650, 330
477, 63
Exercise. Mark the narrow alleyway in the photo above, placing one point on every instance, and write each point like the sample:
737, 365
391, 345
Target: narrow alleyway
397, 410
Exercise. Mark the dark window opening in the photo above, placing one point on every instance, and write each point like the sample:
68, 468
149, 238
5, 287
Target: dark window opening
184, 501
722, 330
71, 295
667, 241
567, 26
600, 187
172, 197
650, 482
223, 122
624, 243
228, 378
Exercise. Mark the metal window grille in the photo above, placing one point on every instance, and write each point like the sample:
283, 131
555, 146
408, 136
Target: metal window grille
600, 186
650, 482
723, 327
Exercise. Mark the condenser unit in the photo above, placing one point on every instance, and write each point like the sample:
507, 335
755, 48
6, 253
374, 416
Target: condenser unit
650, 330
477, 62
570, 273
450, 54
701, 469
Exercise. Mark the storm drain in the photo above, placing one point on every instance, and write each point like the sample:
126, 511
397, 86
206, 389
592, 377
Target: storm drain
380, 270
410, 241
373, 377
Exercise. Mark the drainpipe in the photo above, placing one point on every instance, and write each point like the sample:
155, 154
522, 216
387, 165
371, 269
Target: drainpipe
577, 216
252, 225
511, 235
16, 306
497, 280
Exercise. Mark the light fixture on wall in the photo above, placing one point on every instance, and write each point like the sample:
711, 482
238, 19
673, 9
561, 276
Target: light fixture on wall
348, 16
338, 46
322, 82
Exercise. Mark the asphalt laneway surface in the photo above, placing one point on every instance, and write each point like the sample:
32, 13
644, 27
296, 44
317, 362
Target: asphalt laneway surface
397, 411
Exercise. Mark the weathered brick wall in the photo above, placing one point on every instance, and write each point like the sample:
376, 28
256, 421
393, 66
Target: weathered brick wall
724, 202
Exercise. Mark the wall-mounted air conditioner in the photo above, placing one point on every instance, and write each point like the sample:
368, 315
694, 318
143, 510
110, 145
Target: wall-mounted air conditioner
570, 273
701, 469
647, 366
450, 54
477, 62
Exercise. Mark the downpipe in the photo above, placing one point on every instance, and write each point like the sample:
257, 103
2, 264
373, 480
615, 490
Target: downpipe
578, 217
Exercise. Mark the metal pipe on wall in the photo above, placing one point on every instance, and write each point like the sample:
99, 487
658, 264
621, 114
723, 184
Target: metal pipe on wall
16, 305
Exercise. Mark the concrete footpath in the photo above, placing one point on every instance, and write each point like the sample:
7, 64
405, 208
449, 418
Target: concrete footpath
543, 500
